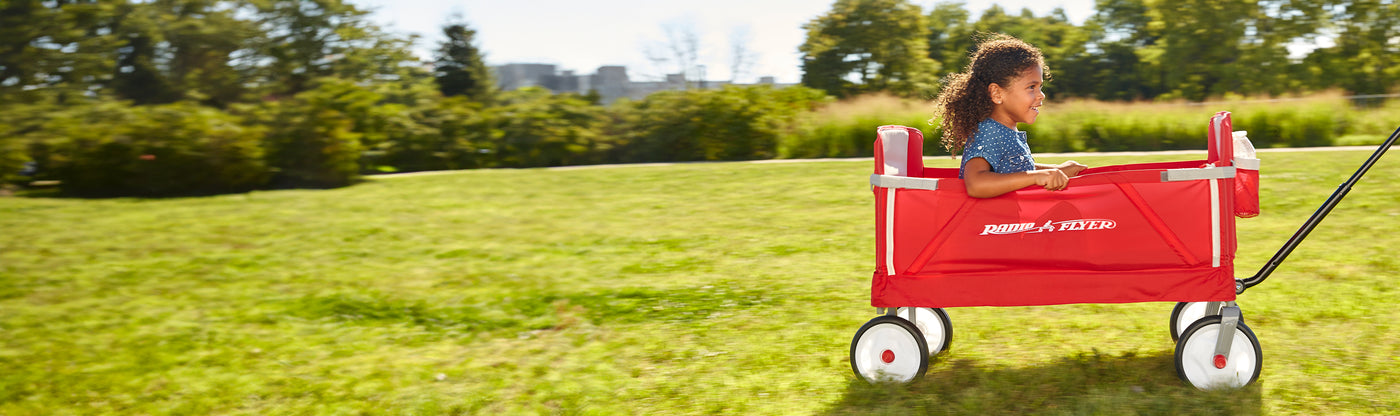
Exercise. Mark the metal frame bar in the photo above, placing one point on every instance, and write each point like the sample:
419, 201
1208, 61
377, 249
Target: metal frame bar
1196, 174
1315, 219
1229, 319
903, 182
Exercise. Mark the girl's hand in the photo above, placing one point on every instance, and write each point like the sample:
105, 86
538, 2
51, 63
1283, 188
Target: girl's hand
1071, 168
1051, 179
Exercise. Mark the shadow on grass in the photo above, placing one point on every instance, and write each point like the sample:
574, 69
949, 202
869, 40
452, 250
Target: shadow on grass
1087, 384
526, 312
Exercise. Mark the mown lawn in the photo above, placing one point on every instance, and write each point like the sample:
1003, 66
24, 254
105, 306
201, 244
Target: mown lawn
729, 288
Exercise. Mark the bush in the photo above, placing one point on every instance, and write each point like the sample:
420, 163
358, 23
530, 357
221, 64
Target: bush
312, 139
1378, 120
24, 150
534, 127
733, 123
109, 149
447, 135
1288, 128
847, 128
13, 156
1103, 127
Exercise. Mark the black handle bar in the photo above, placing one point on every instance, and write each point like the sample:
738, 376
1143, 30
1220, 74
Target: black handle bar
1241, 285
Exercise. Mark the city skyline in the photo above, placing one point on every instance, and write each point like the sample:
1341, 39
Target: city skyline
609, 82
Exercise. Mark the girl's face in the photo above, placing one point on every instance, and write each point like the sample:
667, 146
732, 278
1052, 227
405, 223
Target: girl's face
1019, 102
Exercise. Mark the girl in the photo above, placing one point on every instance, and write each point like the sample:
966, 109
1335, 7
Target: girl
979, 109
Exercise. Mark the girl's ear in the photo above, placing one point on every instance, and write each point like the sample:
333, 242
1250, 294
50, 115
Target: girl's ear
995, 92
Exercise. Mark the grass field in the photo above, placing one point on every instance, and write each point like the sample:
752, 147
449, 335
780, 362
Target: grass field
726, 288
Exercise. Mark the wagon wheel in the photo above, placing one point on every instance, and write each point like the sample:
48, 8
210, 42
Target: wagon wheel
934, 324
1197, 364
889, 348
1186, 313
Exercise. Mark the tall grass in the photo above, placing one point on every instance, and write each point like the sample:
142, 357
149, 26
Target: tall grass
845, 128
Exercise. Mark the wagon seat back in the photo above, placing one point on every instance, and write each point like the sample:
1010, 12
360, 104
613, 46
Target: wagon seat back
899, 151
1221, 148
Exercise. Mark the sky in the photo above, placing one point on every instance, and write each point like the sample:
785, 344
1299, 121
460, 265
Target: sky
583, 35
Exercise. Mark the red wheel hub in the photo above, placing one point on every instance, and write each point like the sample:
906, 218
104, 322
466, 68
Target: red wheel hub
887, 356
1220, 361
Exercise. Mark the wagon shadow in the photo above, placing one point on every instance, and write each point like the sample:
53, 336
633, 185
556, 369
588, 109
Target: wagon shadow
1089, 383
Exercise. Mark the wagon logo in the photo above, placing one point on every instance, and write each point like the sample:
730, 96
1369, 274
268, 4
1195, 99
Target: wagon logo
1048, 227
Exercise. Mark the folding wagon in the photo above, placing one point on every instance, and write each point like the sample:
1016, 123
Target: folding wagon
1151, 232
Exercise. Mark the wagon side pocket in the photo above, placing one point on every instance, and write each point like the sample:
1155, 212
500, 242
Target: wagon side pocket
1246, 187
1246, 176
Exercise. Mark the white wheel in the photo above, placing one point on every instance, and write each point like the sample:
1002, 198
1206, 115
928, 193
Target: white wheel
1197, 364
934, 324
1186, 313
889, 349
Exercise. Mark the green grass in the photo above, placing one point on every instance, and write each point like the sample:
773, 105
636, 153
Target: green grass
730, 288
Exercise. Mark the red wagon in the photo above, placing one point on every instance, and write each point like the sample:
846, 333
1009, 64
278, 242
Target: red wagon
1152, 232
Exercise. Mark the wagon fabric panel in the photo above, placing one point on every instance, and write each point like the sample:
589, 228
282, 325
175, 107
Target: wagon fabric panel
1127, 233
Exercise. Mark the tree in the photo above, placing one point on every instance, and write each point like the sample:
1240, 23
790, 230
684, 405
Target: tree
1264, 64
1195, 49
1366, 56
1127, 63
460, 68
681, 50
303, 41
54, 48
741, 58
1062, 43
205, 39
1200, 40
949, 36
865, 46
138, 74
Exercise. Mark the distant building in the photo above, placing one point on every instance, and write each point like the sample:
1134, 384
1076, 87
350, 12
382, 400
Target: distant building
516, 76
611, 82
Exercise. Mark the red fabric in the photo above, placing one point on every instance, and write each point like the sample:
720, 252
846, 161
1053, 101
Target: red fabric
1246, 193
1117, 234
1221, 140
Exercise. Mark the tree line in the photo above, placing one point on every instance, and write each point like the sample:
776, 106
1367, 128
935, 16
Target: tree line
1127, 50
179, 97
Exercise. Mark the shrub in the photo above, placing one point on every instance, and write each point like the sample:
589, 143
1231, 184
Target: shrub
533, 128
465, 132
24, 143
447, 134
109, 149
13, 156
312, 139
732, 123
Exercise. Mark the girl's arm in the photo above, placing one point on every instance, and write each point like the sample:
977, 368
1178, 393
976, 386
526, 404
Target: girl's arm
983, 183
1070, 168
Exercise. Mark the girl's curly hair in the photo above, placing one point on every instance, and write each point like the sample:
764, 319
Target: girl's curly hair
965, 101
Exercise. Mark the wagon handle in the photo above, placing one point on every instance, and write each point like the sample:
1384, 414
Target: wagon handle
1316, 218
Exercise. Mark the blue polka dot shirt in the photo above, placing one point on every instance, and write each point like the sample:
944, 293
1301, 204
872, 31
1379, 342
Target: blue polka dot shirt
1003, 148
